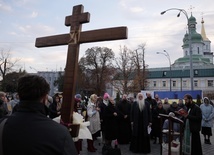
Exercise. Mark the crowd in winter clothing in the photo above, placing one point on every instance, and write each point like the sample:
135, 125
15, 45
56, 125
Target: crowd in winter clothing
103, 116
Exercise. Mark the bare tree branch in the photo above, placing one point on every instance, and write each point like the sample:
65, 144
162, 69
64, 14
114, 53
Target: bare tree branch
125, 68
6, 64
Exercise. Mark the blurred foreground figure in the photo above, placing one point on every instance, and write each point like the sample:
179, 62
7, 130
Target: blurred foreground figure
29, 131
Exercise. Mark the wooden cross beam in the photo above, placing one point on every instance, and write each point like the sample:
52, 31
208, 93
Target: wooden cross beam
73, 40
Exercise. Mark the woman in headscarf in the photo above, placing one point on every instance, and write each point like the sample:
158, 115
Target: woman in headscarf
207, 119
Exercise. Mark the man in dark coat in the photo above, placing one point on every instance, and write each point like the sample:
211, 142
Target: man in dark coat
111, 122
192, 127
102, 105
29, 131
156, 126
151, 101
153, 105
141, 120
124, 108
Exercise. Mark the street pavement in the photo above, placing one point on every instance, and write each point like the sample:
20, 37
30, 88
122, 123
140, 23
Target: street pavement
155, 148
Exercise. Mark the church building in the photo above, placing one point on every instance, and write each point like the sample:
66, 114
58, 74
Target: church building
158, 79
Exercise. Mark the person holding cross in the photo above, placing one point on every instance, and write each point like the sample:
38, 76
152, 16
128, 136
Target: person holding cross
29, 131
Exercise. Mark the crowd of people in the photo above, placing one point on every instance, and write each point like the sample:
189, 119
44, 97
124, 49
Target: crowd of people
126, 122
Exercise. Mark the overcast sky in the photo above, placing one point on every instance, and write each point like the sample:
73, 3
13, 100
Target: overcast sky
22, 21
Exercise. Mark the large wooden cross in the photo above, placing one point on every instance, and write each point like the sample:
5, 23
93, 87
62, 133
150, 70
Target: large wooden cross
73, 40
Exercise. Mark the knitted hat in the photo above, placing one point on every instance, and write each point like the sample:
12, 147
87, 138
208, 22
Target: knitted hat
78, 96
106, 96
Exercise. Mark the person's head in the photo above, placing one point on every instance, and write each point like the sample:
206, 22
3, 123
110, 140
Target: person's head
111, 100
156, 96
106, 96
188, 99
124, 97
160, 104
206, 100
139, 96
78, 96
148, 95
166, 100
174, 104
131, 99
76, 102
93, 98
140, 100
33, 88
56, 98
2, 95
180, 101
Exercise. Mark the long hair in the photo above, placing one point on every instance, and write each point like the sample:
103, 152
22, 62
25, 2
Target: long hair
93, 98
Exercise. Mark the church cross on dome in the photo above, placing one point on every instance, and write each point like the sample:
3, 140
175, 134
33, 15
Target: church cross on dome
191, 8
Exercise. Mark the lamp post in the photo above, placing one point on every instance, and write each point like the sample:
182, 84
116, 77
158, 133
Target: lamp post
189, 37
170, 74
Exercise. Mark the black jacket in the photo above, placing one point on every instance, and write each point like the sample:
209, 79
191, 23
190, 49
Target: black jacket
139, 124
111, 122
29, 132
195, 117
3, 111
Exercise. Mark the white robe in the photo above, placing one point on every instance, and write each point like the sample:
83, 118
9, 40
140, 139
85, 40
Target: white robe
84, 132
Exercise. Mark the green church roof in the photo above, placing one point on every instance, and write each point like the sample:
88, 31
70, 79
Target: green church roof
195, 59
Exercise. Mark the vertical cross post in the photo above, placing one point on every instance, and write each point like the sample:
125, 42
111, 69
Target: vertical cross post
73, 40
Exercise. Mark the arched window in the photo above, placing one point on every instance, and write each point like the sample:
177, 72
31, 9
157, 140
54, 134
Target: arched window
198, 51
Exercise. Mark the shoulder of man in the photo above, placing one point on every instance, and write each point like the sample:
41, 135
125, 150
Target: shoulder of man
196, 105
147, 102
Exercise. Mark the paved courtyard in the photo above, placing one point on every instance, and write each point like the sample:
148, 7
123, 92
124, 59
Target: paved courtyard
155, 148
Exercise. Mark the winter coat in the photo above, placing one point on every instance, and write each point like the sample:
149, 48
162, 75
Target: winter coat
102, 107
147, 118
3, 110
111, 122
93, 118
207, 115
195, 117
30, 132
